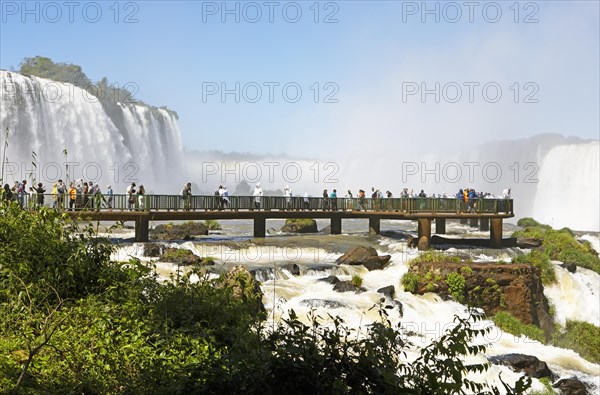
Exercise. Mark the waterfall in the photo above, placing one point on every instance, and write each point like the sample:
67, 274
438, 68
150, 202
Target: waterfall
568, 190
108, 142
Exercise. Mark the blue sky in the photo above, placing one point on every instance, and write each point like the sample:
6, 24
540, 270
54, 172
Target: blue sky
369, 61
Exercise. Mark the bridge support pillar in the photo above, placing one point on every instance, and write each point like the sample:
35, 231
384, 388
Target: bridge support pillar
463, 221
496, 232
260, 226
484, 224
473, 222
374, 226
440, 226
142, 227
336, 225
424, 231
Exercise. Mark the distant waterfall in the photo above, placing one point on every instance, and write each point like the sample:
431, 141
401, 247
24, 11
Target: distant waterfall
569, 187
114, 143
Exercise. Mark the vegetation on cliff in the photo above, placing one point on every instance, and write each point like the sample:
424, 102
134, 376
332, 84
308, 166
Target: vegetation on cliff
483, 286
107, 93
559, 245
73, 321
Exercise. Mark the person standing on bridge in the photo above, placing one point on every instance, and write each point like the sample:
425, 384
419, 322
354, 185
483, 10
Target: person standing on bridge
186, 192
325, 200
131, 196
72, 196
287, 192
349, 200
225, 198
141, 198
258, 192
333, 198
109, 197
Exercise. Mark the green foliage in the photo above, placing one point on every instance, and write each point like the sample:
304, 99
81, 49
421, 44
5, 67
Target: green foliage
63, 72
410, 281
75, 322
528, 222
561, 245
582, 337
511, 324
466, 271
456, 286
211, 224
357, 281
540, 260
108, 94
437, 257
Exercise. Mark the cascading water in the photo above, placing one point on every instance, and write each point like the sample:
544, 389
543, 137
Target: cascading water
568, 192
114, 143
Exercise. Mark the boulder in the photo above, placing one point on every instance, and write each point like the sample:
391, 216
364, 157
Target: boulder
330, 279
152, 250
347, 286
366, 256
300, 225
292, 268
388, 291
571, 386
326, 230
184, 257
527, 364
570, 266
327, 303
185, 231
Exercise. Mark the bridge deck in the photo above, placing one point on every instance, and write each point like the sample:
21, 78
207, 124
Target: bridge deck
145, 208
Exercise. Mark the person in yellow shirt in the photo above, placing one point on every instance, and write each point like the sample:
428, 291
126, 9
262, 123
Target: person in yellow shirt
72, 196
54, 195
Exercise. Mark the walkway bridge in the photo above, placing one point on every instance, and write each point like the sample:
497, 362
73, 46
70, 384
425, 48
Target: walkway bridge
487, 213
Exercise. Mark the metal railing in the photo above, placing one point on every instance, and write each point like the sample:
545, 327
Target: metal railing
236, 203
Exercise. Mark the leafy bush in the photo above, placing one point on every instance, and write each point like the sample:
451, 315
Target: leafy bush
456, 286
211, 224
437, 257
561, 245
410, 281
529, 222
511, 324
74, 322
357, 281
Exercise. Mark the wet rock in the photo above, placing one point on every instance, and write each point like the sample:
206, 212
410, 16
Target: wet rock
185, 231
571, 386
300, 225
388, 291
292, 268
412, 241
571, 267
184, 257
347, 286
330, 279
528, 242
327, 303
366, 256
152, 250
326, 230
527, 364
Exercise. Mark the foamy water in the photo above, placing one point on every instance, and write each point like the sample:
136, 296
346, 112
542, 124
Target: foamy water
424, 316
